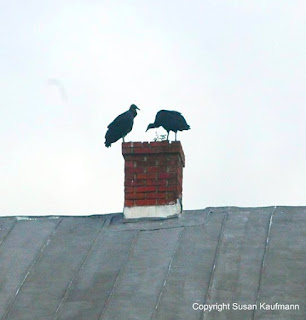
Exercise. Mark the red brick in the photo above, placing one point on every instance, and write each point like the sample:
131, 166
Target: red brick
137, 145
129, 164
165, 150
134, 183
168, 188
126, 144
145, 189
146, 202
149, 163
159, 150
129, 176
141, 163
171, 195
157, 156
159, 143
155, 195
172, 182
140, 176
175, 169
164, 162
135, 170
129, 189
153, 169
134, 196
156, 182
174, 162
129, 203
132, 157
142, 150
166, 175
127, 151
176, 149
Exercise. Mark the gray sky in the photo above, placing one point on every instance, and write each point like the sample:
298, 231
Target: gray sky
235, 69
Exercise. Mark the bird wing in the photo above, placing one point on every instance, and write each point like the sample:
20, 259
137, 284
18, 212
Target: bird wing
171, 120
123, 120
169, 112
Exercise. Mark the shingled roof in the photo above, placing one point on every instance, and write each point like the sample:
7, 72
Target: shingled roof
101, 267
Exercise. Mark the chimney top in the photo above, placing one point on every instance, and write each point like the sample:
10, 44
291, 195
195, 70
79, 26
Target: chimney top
156, 147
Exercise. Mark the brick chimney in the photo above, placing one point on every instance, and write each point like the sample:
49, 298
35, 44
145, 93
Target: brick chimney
153, 179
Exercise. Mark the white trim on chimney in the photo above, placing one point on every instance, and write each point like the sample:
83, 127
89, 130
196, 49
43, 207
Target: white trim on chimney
162, 211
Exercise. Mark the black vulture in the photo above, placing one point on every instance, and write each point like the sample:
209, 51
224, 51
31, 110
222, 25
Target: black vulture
121, 126
170, 121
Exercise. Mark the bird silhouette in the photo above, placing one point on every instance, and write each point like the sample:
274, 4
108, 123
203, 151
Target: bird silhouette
170, 121
121, 126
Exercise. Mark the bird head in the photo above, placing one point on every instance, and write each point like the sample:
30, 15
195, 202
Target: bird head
151, 126
133, 107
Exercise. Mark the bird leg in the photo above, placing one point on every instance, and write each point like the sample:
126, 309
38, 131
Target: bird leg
123, 139
168, 135
175, 135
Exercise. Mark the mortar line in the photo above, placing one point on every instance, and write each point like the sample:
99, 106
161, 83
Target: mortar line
30, 269
263, 262
212, 274
119, 274
67, 291
168, 272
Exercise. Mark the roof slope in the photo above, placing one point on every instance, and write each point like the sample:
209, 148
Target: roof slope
99, 267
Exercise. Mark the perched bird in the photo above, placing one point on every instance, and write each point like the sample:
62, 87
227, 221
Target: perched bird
170, 121
121, 126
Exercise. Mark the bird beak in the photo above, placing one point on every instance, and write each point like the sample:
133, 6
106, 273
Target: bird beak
137, 108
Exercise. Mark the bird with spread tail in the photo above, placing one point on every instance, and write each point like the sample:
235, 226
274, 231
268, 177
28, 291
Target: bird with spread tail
121, 126
170, 121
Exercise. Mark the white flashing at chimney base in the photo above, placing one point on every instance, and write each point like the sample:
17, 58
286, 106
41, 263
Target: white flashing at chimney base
162, 211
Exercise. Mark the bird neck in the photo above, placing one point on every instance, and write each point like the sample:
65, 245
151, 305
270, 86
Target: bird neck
134, 112
153, 125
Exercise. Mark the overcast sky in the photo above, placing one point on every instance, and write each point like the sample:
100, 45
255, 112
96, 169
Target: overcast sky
234, 68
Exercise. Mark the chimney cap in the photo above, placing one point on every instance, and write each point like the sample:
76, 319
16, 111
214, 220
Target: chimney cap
155, 147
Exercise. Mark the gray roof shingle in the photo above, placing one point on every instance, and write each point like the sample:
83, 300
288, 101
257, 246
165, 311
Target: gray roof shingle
102, 267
